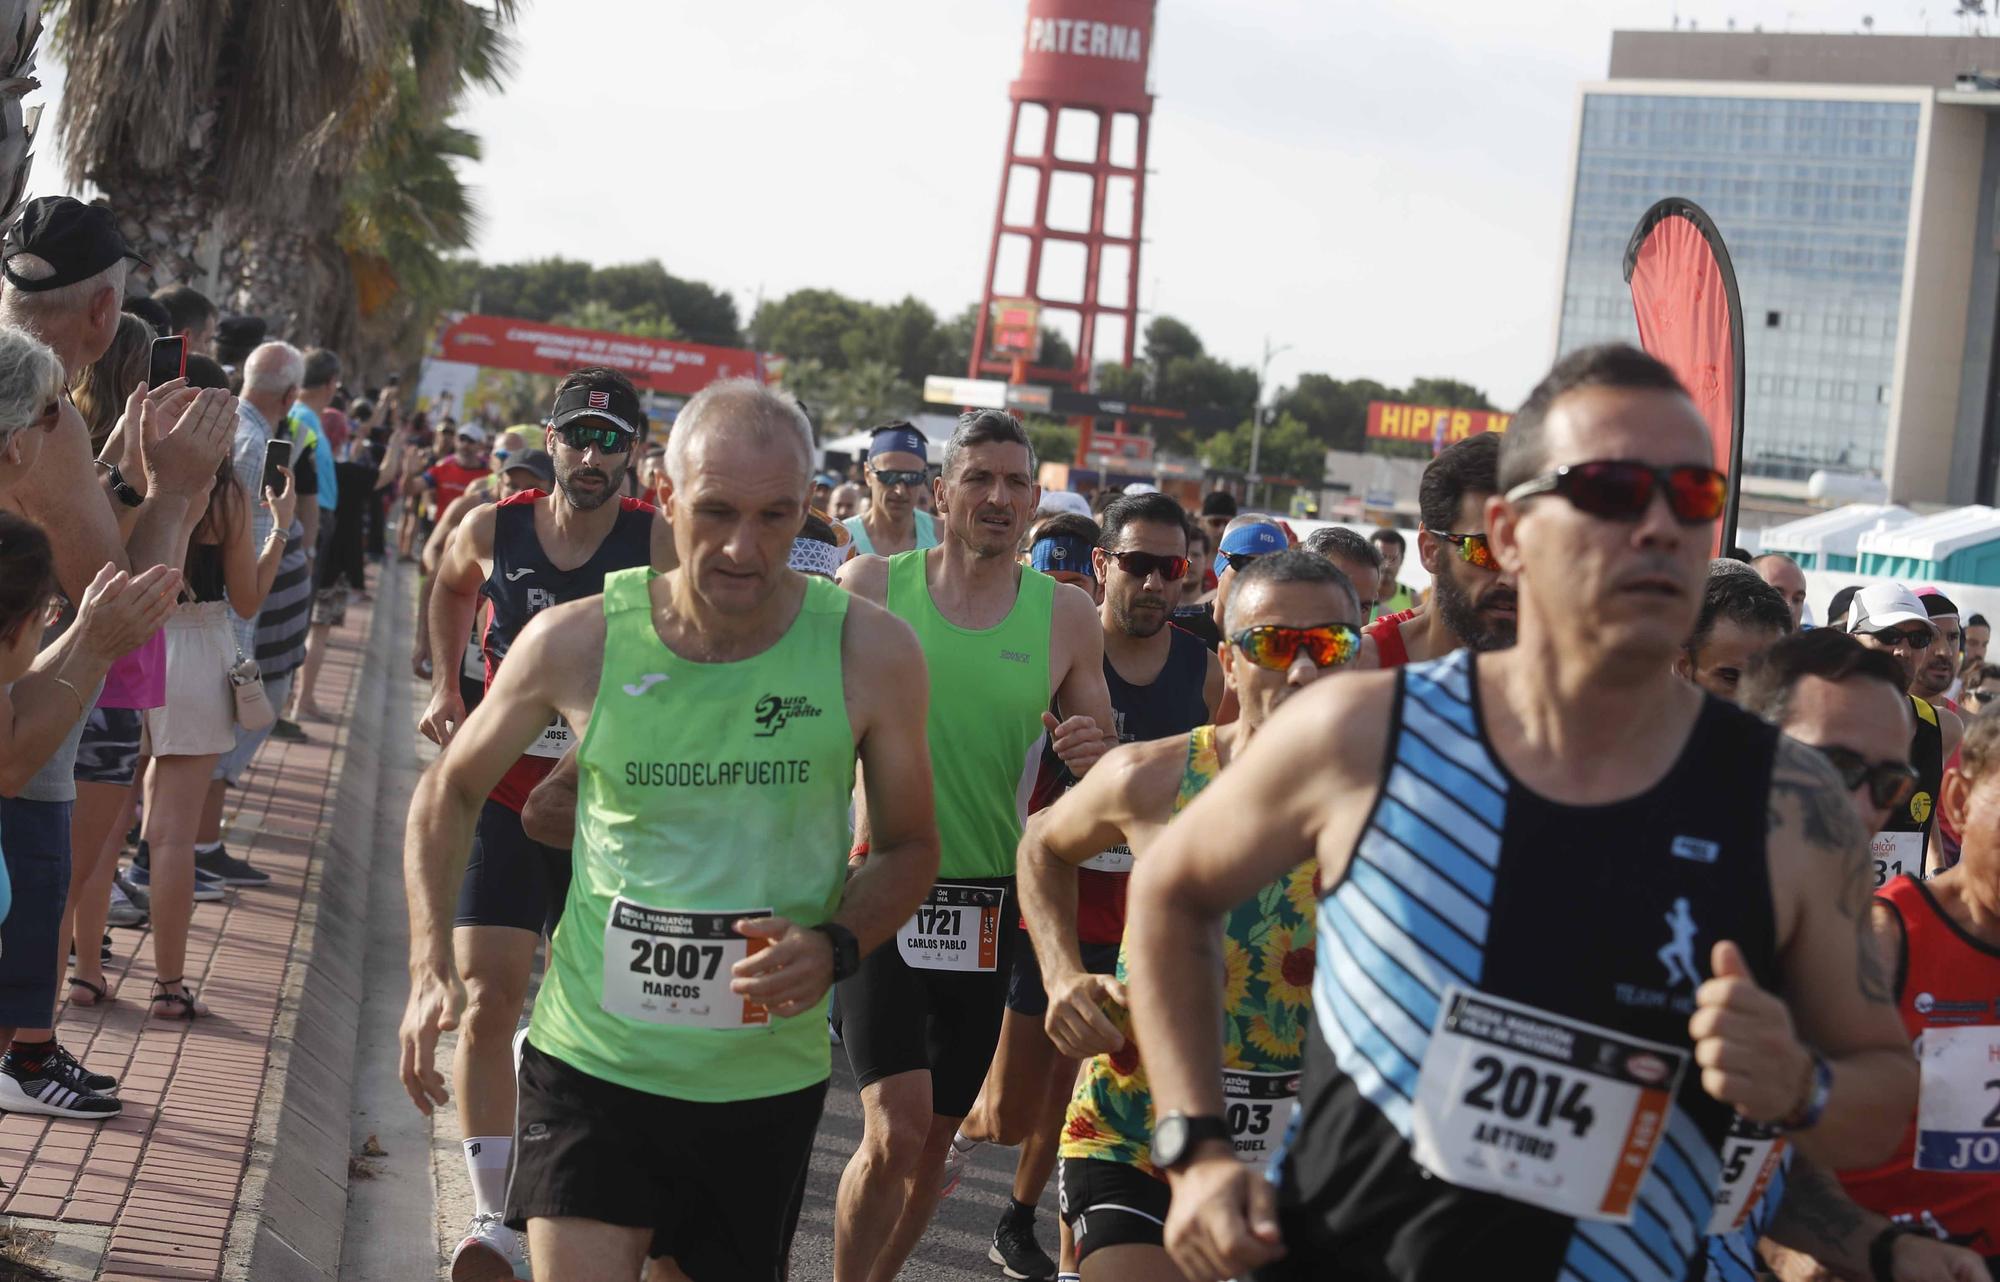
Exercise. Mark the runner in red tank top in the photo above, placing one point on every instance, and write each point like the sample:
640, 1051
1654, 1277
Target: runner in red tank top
1472, 599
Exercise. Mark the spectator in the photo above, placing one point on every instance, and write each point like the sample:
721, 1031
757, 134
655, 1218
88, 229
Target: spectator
322, 373
412, 457
356, 472
100, 394
235, 338
152, 313
190, 315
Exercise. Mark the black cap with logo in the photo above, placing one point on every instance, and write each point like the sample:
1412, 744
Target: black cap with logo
76, 239
612, 400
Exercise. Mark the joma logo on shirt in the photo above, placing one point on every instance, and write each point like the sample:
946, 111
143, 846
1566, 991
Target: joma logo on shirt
774, 710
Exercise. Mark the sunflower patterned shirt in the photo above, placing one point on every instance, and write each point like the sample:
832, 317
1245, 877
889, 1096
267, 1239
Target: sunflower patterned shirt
1266, 995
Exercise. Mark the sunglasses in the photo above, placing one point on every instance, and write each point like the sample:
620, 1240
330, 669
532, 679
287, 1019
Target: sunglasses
1981, 696
1916, 638
1237, 560
1328, 645
608, 440
891, 477
1472, 549
1622, 489
1140, 564
1890, 783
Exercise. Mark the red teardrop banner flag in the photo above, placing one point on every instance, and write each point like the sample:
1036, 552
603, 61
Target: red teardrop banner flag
1684, 296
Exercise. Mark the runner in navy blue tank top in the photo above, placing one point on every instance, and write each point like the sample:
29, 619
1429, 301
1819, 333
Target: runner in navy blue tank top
1574, 914
523, 555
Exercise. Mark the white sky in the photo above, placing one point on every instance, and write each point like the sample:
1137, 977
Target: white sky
1378, 185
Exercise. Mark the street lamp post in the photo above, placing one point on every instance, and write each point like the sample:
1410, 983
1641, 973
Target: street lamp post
1257, 416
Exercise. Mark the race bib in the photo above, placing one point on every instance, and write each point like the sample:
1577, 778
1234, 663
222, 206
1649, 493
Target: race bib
1116, 859
555, 741
473, 665
1896, 853
1751, 1156
1259, 1107
1958, 1102
1541, 1108
956, 928
665, 966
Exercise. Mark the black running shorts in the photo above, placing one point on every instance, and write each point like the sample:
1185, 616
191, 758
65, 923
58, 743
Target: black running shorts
718, 1184
1028, 995
1111, 1204
897, 1018
511, 879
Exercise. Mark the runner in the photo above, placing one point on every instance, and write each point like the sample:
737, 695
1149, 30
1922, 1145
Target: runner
1354, 556
1741, 616
522, 555
1533, 1079
1395, 597
1784, 574
449, 477
530, 470
1192, 613
1889, 617
1937, 673
1162, 681
1290, 613
677, 1062
920, 1022
1472, 598
1062, 546
1248, 537
897, 476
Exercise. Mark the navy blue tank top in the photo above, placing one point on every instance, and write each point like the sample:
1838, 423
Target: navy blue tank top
524, 582
1171, 703
1502, 992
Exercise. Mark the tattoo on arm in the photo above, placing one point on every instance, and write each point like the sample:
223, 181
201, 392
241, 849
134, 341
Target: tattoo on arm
1806, 797
1816, 1207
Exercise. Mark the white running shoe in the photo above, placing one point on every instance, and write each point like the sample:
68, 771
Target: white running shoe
491, 1252
955, 1158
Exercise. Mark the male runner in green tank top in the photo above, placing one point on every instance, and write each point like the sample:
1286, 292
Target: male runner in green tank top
1287, 612
920, 1021
677, 1061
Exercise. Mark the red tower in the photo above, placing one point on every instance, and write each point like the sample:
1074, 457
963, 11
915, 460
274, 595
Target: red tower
1083, 76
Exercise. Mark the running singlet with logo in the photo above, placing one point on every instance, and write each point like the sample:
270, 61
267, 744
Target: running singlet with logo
926, 532
525, 582
1267, 947
707, 792
988, 690
1945, 1174
1905, 837
1388, 633
449, 479
1501, 1067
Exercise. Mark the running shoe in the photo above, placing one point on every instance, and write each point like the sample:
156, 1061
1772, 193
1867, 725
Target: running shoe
70, 1071
490, 1252
955, 1159
289, 732
124, 912
233, 871
138, 898
207, 886
47, 1096
1017, 1253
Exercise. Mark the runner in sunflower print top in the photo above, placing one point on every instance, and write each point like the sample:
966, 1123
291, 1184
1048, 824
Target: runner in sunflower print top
1292, 618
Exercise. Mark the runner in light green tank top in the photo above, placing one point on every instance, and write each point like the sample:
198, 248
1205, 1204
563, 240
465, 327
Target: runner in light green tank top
746, 763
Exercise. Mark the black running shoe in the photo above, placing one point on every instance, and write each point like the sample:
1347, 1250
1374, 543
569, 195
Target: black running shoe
233, 871
46, 1096
70, 1071
1017, 1253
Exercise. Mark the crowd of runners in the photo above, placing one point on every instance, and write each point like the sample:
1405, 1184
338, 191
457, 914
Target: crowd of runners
1588, 919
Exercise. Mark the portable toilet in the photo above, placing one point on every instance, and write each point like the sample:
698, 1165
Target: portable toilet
1828, 540
1958, 546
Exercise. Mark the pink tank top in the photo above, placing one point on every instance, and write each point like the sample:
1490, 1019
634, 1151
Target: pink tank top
139, 680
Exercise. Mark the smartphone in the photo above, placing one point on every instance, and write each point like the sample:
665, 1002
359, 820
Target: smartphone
277, 454
169, 361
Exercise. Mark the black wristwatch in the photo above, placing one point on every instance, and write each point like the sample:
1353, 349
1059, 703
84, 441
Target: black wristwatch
846, 949
1176, 1134
120, 489
1882, 1251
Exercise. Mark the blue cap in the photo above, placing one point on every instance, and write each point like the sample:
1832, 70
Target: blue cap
1062, 552
1255, 540
897, 438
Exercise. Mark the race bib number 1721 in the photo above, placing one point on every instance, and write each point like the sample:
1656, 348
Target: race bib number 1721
957, 927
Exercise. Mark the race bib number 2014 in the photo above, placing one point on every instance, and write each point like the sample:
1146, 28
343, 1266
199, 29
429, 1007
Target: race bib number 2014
666, 966
1541, 1108
956, 928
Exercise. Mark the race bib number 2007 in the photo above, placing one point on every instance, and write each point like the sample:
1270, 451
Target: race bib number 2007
665, 966
955, 928
1541, 1108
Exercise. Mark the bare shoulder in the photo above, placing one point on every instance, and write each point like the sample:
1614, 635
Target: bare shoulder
1142, 779
476, 526
1073, 609
885, 639
562, 652
866, 576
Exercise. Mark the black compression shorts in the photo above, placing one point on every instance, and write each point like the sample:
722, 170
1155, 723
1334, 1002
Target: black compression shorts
511, 879
898, 1018
1111, 1204
720, 1185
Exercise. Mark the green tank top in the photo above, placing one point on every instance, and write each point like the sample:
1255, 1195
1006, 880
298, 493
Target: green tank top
706, 792
1267, 959
926, 532
988, 692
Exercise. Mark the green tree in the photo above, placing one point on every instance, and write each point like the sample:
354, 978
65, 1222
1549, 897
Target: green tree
1054, 440
1203, 382
1122, 382
808, 324
1287, 450
598, 314
1448, 392
20, 31
1168, 340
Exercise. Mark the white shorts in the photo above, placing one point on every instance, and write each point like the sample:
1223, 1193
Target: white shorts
199, 718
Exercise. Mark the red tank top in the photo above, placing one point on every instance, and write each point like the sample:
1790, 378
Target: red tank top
1947, 1002
1388, 634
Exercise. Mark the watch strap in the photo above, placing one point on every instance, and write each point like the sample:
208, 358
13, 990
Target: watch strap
1882, 1252
846, 949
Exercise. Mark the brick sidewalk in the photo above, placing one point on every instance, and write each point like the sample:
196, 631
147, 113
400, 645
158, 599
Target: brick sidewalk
165, 1175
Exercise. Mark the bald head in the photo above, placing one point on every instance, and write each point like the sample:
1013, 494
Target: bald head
273, 368
742, 410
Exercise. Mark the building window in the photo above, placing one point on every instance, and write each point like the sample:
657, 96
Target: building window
1771, 319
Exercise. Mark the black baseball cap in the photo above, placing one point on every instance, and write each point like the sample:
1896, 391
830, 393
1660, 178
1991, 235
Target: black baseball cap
245, 332
537, 462
76, 239
611, 401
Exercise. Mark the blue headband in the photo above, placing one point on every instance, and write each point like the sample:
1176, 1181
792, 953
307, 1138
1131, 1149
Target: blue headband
896, 440
1256, 540
1062, 552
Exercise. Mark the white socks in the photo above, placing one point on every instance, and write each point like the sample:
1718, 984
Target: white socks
486, 1159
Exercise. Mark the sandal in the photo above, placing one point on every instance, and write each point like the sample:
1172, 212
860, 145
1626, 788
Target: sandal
99, 994
179, 999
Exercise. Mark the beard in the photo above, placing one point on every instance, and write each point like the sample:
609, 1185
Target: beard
585, 500
1133, 623
1479, 632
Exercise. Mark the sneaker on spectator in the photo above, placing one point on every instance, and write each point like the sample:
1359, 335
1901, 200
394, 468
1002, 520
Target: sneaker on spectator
70, 1071
48, 1095
207, 886
124, 912
233, 871
122, 885
289, 732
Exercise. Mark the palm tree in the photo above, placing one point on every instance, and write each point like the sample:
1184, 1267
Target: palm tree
226, 133
20, 28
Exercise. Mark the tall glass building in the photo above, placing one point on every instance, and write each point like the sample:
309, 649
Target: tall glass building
1849, 176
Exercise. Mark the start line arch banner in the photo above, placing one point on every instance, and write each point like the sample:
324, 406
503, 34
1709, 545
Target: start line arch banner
537, 347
